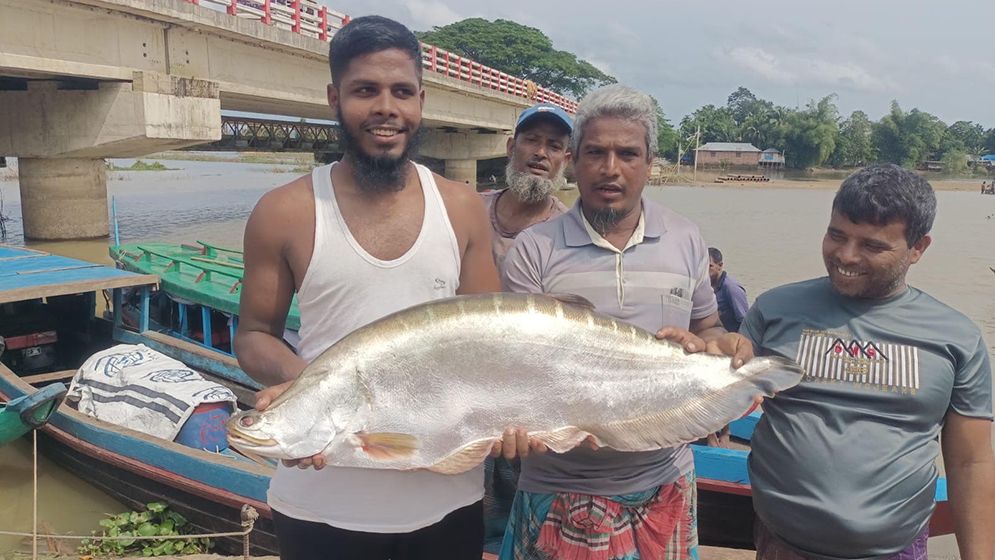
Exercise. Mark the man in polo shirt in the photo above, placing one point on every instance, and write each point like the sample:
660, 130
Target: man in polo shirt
843, 464
537, 158
641, 263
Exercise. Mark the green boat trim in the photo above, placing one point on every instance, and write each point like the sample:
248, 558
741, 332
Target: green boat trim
29, 412
203, 274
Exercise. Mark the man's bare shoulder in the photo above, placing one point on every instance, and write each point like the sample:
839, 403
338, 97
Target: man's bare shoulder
287, 200
458, 196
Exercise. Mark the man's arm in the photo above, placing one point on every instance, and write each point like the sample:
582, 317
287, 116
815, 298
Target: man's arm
267, 290
737, 298
970, 468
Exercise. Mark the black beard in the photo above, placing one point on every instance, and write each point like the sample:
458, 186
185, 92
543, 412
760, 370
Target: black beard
377, 174
604, 219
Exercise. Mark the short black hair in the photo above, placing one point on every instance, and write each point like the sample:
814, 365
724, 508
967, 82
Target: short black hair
883, 193
370, 34
715, 255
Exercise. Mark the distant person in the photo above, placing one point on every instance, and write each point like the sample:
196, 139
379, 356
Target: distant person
729, 293
843, 465
537, 158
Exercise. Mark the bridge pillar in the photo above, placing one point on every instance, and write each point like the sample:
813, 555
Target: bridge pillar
462, 170
62, 131
461, 150
63, 198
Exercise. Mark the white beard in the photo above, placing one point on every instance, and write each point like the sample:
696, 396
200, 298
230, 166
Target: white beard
529, 188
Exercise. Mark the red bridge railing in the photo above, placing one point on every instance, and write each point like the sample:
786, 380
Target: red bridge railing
310, 18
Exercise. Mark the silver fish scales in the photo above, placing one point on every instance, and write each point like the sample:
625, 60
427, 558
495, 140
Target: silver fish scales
435, 385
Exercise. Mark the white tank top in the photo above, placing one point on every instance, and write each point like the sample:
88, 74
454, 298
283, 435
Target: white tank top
343, 289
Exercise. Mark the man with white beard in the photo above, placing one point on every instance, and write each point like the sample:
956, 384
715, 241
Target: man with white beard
537, 155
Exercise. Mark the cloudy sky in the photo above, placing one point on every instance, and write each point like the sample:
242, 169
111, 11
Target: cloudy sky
935, 56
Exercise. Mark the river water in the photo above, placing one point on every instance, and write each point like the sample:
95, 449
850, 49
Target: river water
768, 237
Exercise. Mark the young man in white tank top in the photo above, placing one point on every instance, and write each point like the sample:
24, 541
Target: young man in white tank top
357, 240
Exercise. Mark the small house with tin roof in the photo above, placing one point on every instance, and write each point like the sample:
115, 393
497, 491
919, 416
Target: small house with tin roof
728, 153
771, 158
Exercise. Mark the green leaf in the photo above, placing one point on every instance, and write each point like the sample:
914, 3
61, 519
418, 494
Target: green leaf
107, 523
156, 507
147, 530
167, 527
177, 519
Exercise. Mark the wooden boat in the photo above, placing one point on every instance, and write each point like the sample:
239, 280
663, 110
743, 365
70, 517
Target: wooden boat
725, 500
29, 412
203, 283
206, 487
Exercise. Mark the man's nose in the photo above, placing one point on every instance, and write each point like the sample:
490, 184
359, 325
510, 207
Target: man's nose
385, 104
848, 252
610, 167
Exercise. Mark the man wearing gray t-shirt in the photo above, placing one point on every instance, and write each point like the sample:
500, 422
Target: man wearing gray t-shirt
843, 465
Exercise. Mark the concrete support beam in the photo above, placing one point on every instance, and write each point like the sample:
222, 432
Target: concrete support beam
153, 113
463, 145
462, 170
63, 198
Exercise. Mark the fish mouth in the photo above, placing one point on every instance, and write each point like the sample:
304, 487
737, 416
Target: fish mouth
241, 437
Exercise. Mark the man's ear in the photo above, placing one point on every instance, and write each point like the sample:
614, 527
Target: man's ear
332, 93
918, 248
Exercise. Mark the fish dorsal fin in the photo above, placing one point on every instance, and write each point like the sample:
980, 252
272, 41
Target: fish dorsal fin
387, 446
573, 299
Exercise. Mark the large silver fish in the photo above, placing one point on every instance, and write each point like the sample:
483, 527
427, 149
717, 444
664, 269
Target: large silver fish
434, 386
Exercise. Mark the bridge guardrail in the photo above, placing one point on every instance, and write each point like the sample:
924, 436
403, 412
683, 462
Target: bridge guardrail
310, 18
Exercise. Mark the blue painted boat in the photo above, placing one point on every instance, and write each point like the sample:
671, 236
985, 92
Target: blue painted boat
54, 298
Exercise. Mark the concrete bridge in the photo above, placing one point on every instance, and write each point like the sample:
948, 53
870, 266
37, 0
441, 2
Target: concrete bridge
83, 80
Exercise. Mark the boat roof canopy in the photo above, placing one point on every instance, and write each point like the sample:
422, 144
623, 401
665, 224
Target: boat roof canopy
28, 274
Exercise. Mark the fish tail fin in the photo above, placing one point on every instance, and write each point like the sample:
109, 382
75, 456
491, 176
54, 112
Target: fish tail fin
706, 414
771, 374
387, 446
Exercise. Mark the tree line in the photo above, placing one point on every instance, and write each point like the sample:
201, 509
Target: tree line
811, 136
816, 135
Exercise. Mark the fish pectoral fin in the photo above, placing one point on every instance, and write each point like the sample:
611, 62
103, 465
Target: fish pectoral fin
387, 446
465, 458
562, 439
573, 299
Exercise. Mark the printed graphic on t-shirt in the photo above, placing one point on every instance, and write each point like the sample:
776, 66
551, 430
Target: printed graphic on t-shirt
829, 356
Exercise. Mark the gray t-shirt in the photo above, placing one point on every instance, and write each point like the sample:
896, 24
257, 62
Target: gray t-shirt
843, 464
660, 279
